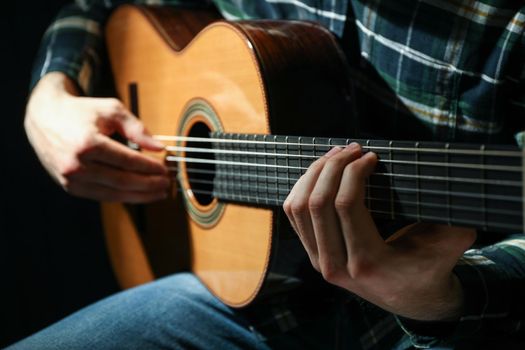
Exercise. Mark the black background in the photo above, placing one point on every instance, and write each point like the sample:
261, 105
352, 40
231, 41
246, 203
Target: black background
53, 259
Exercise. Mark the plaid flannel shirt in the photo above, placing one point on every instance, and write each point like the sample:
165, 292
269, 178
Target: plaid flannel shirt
426, 69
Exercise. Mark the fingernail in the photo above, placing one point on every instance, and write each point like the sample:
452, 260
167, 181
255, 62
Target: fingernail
333, 151
371, 154
352, 147
157, 143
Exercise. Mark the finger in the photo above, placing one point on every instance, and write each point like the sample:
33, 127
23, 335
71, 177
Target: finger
325, 221
297, 212
102, 193
287, 207
110, 152
121, 119
361, 235
298, 208
117, 179
135, 131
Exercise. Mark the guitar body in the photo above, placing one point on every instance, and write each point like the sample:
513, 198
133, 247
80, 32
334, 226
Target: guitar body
182, 77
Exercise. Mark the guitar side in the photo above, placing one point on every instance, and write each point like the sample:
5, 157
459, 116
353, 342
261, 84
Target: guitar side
247, 78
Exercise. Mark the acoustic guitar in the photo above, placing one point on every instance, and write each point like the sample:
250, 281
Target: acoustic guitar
244, 108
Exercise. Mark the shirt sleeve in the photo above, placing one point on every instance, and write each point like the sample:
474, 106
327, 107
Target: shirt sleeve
492, 277
493, 280
74, 42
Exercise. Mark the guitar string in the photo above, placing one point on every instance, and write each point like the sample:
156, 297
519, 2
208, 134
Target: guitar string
368, 197
416, 217
313, 157
291, 180
330, 144
496, 182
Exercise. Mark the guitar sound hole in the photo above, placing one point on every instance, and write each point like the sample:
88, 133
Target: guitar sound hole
200, 174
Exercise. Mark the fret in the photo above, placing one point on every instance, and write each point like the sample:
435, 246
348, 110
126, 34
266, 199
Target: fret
261, 172
452, 200
229, 158
251, 171
251, 159
418, 185
275, 172
483, 189
246, 159
299, 149
237, 157
266, 170
447, 161
214, 145
227, 167
287, 163
295, 160
367, 182
256, 160
392, 209
244, 170
314, 152
238, 174
278, 192
216, 177
224, 167
429, 178
500, 190
257, 173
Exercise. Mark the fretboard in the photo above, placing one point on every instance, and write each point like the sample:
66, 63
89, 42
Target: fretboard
456, 184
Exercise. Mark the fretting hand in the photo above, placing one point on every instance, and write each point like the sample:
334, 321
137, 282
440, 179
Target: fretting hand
70, 137
410, 274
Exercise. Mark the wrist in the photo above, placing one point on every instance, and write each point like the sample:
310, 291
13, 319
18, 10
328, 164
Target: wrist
56, 84
447, 306
454, 304
51, 90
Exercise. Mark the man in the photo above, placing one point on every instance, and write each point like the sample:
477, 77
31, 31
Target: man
429, 69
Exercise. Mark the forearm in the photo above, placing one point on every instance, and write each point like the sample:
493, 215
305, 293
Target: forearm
50, 89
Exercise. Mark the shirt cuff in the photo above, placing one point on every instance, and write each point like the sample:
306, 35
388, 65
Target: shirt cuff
80, 73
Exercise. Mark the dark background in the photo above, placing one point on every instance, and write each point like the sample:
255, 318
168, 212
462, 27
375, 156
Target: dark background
52, 253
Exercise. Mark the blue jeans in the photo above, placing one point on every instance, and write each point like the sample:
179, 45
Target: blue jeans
176, 312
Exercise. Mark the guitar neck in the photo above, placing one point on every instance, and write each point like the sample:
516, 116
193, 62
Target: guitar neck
456, 184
